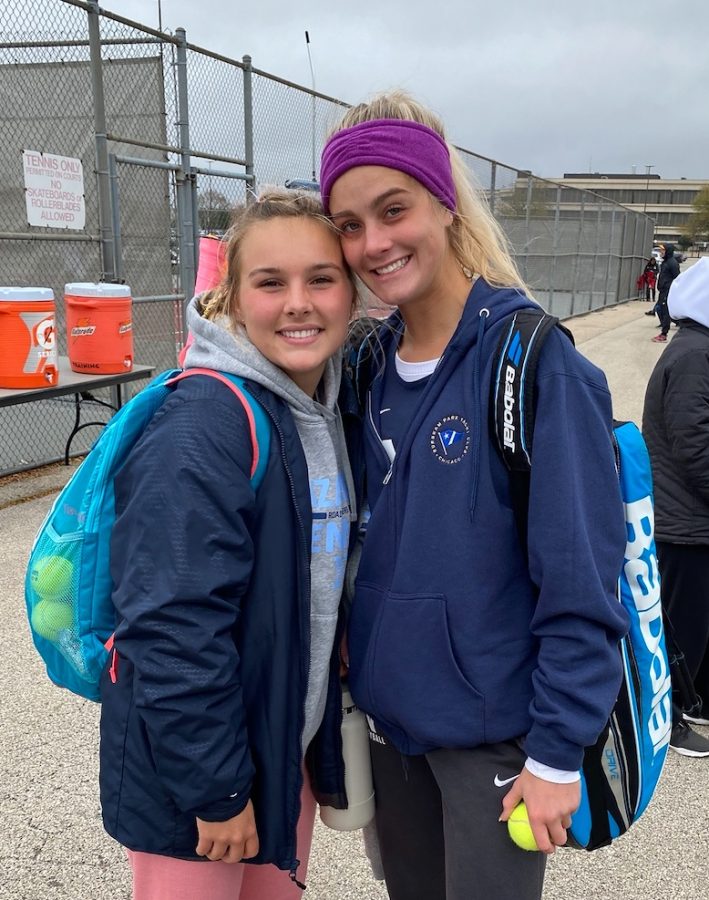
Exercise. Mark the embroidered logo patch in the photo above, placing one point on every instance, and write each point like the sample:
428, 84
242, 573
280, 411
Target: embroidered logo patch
450, 439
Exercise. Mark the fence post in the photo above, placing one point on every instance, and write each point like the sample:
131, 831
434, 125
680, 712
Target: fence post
631, 277
493, 176
554, 250
194, 206
608, 261
527, 215
621, 260
596, 254
187, 237
577, 259
249, 130
116, 217
108, 261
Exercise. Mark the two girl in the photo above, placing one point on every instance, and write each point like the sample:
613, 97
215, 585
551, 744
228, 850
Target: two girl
228, 598
485, 666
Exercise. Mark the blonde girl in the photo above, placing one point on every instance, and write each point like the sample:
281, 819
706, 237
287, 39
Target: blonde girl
485, 663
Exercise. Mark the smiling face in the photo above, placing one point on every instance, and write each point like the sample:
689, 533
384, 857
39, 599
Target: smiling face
294, 296
394, 236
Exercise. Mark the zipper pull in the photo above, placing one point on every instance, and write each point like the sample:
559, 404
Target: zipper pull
293, 877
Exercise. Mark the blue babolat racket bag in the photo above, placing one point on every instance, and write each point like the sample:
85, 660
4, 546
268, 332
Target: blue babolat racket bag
621, 771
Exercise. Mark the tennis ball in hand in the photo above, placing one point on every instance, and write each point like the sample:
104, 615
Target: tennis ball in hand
520, 829
49, 617
51, 577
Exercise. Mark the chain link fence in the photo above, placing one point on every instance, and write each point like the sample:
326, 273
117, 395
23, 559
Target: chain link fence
170, 137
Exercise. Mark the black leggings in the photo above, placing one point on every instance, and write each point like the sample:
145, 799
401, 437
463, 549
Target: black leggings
684, 574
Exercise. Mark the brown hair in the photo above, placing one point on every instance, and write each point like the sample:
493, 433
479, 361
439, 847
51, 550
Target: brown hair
272, 203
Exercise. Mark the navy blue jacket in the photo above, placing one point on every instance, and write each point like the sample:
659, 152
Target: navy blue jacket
455, 638
213, 606
669, 270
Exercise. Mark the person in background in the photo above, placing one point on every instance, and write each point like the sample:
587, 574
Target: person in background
676, 430
228, 598
669, 270
650, 278
486, 664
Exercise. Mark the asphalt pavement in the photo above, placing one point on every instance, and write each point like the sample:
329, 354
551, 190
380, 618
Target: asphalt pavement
55, 848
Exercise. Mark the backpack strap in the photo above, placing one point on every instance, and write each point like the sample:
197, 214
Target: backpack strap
514, 368
513, 396
260, 432
259, 423
360, 352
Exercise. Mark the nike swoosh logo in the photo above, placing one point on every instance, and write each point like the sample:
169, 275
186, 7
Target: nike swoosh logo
501, 782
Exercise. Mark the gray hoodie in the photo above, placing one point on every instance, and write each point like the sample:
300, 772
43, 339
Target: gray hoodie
217, 345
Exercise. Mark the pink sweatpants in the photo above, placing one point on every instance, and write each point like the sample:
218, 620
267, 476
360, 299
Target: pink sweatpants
164, 878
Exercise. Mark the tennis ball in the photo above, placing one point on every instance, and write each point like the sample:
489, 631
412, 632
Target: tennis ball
51, 577
49, 617
520, 830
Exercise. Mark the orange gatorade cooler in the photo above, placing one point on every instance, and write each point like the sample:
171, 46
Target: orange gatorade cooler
28, 346
99, 324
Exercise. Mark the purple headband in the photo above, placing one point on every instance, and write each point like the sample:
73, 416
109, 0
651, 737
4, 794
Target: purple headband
396, 144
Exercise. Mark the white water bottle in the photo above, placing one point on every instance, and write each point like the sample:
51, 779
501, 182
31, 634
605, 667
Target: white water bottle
358, 772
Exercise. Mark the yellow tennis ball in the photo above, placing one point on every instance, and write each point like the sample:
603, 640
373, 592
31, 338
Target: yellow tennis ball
49, 617
51, 577
520, 829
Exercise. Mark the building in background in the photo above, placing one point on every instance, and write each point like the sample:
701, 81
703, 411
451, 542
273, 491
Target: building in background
667, 201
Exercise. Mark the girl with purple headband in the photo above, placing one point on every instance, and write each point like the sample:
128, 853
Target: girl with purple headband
485, 665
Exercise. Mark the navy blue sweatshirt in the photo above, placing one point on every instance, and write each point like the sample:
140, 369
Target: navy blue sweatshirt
456, 638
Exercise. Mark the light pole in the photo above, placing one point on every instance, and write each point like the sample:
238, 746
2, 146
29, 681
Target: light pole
647, 185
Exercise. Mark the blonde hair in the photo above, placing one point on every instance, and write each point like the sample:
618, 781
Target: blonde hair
273, 203
477, 241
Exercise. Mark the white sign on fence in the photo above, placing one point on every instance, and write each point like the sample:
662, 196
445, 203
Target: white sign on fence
54, 190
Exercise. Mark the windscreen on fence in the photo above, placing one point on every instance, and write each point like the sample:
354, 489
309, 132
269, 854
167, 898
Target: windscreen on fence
168, 138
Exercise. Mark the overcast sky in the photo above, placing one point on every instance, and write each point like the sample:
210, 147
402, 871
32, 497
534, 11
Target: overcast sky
550, 86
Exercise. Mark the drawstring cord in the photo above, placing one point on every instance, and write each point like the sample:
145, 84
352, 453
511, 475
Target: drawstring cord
294, 879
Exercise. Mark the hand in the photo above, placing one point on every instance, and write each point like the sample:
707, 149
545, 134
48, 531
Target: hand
232, 840
549, 807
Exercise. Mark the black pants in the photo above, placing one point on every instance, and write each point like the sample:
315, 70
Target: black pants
684, 574
437, 825
663, 312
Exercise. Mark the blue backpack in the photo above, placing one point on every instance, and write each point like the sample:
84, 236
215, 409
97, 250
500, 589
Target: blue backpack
68, 582
621, 771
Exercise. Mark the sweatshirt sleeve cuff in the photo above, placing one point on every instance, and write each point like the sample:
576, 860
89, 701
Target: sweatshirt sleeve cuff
222, 810
548, 773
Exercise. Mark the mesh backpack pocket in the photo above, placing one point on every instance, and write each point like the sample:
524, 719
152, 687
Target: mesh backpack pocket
68, 583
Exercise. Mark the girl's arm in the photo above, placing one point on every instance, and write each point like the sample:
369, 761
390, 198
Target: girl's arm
181, 560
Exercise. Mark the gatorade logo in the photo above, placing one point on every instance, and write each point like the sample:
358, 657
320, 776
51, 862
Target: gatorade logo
125, 327
641, 572
44, 334
82, 330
